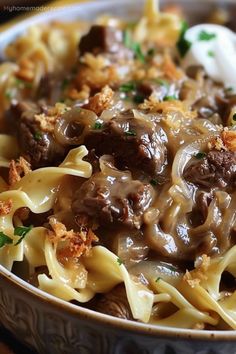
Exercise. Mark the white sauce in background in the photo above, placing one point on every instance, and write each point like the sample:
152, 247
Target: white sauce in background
217, 55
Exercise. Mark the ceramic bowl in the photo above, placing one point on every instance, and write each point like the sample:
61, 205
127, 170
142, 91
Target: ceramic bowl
53, 326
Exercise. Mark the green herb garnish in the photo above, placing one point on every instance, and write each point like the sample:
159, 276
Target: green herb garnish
170, 98
183, 44
38, 135
127, 39
130, 133
206, 36
97, 125
138, 52
157, 279
229, 89
162, 82
22, 231
138, 98
9, 94
210, 53
22, 84
65, 83
151, 52
119, 261
134, 46
128, 87
200, 155
234, 117
5, 240
154, 182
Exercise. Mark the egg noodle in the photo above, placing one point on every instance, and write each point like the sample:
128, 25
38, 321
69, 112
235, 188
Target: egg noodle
180, 285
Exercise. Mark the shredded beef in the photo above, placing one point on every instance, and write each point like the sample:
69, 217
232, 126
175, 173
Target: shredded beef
104, 39
216, 169
39, 148
113, 199
134, 143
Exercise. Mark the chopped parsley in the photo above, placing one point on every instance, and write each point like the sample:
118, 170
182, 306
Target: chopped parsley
154, 182
183, 45
170, 98
157, 279
5, 240
22, 231
151, 52
162, 82
234, 117
97, 125
127, 39
38, 135
229, 89
210, 53
64, 84
138, 52
119, 261
9, 94
139, 98
130, 133
134, 46
200, 155
128, 87
22, 84
206, 36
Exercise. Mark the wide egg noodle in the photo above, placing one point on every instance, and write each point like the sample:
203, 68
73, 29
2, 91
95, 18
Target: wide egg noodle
186, 315
100, 279
37, 191
206, 295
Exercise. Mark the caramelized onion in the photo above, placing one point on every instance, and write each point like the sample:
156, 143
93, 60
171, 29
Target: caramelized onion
152, 270
83, 117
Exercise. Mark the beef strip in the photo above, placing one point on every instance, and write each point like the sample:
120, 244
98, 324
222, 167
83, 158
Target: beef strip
114, 303
216, 169
112, 197
39, 148
133, 142
104, 39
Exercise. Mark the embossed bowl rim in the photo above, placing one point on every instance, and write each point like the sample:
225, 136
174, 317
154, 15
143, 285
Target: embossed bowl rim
86, 10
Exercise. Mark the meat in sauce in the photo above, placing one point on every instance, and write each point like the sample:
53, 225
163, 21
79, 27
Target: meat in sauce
134, 143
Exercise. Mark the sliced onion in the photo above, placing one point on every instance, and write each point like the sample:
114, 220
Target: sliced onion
78, 115
152, 270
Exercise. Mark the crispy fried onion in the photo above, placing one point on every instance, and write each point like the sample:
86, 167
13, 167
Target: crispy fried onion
47, 121
75, 243
5, 207
18, 169
227, 141
101, 101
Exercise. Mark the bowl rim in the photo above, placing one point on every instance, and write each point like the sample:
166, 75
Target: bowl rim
77, 310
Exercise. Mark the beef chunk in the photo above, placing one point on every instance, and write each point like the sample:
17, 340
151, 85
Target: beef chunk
146, 87
114, 303
39, 148
216, 169
50, 88
113, 197
134, 143
104, 39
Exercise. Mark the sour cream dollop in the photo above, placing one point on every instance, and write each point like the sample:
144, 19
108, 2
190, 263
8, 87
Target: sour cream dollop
213, 47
